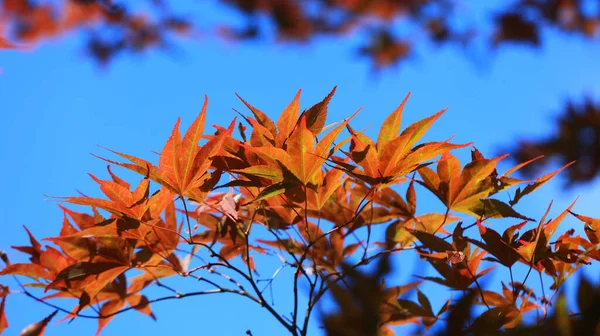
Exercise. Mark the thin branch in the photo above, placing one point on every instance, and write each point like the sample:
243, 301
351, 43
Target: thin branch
444, 221
512, 284
187, 217
177, 296
205, 266
247, 277
160, 284
228, 278
309, 306
369, 228
525, 280
542, 285
476, 283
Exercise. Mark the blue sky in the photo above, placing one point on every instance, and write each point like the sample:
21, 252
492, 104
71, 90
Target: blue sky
56, 107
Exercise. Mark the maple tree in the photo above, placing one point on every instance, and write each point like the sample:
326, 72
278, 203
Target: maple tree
299, 191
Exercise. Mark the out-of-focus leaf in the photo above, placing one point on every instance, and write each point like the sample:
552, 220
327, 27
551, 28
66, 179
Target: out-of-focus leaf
490, 321
38, 328
107, 309
3, 320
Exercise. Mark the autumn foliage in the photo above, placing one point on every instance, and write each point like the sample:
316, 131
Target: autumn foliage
135, 26
577, 138
299, 189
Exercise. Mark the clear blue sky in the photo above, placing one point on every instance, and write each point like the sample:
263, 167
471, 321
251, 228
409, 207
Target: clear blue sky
56, 106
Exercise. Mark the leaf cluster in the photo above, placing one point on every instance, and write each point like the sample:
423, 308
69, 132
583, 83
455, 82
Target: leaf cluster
300, 192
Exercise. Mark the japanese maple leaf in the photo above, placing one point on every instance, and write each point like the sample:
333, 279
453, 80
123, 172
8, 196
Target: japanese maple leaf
535, 249
330, 181
506, 301
398, 235
265, 131
90, 277
393, 156
467, 190
592, 231
460, 190
301, 159
45, 262
457, 276
121, 201
183, 164
502, 248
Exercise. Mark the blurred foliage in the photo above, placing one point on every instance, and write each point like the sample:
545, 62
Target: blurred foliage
362, 310
115, 26
577, 137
